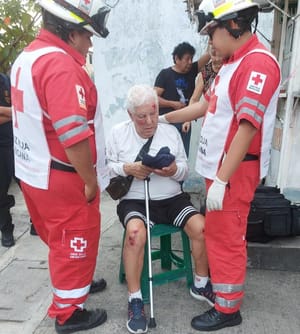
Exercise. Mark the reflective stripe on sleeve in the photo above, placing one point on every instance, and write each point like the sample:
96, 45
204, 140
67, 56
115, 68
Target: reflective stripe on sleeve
69, 120
251, 113
74, 132
252, 102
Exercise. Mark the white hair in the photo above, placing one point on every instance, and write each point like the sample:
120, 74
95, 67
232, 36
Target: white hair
139, 95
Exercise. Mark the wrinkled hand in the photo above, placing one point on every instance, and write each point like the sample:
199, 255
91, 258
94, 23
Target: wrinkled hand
186, 127
215, 195
167, 171
138, 170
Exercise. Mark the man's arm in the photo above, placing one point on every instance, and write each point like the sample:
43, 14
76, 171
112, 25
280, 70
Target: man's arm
5, 114
189, 113
198, 90
163, 103
81, 158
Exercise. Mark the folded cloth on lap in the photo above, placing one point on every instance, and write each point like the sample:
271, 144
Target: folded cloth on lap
163, 158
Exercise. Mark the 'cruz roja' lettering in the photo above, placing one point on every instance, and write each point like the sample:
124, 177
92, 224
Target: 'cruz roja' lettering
202, 150
203, 140
21, 154
21, 144
21, 149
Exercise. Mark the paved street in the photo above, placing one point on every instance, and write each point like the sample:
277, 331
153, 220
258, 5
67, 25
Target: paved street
271, 305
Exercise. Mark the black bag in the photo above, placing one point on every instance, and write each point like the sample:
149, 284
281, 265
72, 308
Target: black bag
120, 185
269, 216
295, 219
267, 189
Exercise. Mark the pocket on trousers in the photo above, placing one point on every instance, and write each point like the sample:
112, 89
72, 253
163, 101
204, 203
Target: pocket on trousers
80, 243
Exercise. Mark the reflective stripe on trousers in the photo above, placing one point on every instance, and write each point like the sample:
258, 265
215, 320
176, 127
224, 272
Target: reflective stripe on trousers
225, 289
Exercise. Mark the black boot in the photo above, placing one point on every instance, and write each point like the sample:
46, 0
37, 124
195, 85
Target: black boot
32, 230
82, 320
11, 201
7, 235
213, 320
98, 286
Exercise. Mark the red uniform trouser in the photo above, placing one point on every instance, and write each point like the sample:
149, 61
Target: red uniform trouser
225, 237
71, 228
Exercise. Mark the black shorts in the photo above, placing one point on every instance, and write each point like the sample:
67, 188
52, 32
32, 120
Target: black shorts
172, 211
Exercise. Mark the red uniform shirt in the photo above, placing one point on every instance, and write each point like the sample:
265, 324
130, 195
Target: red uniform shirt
241, 93
66, 93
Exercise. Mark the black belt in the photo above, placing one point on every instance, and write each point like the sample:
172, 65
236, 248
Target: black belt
59, 166
250, 157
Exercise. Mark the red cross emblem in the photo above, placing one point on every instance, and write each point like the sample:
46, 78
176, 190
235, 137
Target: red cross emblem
17, 98
81, 93
78, 244
257, 80
87, 2
213, 97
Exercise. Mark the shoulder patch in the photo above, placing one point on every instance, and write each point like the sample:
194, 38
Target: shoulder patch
81, 96
256, 82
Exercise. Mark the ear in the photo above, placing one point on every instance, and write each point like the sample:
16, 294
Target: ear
233, 24
72, 37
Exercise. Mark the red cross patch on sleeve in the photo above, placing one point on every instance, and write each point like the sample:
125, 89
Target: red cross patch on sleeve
81, 96
256, 82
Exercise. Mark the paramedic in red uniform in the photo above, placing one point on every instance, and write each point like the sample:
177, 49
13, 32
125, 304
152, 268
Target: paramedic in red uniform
54, 104
234, 148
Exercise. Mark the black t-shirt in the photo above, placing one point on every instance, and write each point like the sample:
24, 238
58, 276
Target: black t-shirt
177, 86
6, 131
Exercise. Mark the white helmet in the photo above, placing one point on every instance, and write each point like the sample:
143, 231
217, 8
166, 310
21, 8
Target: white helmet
211, 11
90, 14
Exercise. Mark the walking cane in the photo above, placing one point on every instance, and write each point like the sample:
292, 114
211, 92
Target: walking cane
152, 322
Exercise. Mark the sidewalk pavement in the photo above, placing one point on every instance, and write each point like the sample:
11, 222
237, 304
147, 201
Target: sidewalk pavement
271, 304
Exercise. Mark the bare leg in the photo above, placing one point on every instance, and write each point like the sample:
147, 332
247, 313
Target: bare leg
133, 253
194, 229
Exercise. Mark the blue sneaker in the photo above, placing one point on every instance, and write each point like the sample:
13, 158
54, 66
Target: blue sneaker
204, 294
137, 322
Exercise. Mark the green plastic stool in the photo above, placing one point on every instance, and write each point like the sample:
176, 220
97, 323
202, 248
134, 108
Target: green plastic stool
182, 266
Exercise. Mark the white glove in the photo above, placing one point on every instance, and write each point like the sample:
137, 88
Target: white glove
215, 195
162, 119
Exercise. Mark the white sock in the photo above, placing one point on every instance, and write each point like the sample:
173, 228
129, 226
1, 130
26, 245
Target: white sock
132, 295
200, 281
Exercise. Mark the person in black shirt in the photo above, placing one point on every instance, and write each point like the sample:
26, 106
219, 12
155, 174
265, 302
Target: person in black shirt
175, 85
6, 162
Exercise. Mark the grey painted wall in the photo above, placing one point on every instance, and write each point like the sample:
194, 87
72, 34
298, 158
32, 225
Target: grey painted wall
142, 36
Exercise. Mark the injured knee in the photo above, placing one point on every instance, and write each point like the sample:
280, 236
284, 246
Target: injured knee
132, 237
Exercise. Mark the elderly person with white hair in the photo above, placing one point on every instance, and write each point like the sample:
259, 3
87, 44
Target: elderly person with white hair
167, 201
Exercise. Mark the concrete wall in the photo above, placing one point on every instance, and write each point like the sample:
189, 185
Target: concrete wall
142, 37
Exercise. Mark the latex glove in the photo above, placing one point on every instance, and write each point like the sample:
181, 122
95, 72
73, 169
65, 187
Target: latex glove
215, 195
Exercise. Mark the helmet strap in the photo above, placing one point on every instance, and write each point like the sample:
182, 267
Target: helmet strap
237, 33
